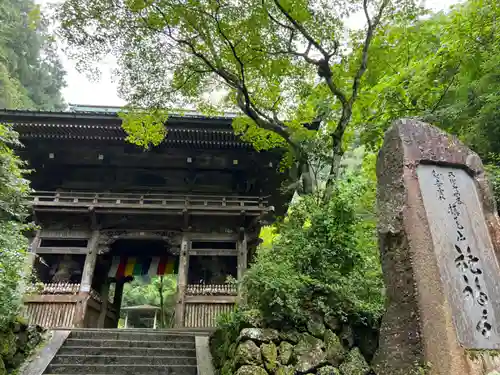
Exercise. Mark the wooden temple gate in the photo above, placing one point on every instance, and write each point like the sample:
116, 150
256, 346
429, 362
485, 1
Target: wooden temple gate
199, 197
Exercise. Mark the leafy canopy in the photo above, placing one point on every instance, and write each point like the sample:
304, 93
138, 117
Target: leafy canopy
282, 63
31, 75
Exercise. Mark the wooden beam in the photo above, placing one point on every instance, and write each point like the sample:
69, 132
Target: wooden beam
213, 236
65, 234
52, 298
182, 278
214, 252
104, 306
62, 250
117, 300
242, 256
90, 260
211, 299
87, 276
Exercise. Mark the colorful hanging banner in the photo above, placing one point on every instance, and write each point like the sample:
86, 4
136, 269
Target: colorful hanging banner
131, 266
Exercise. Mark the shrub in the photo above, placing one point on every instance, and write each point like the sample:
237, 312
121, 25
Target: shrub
323, 259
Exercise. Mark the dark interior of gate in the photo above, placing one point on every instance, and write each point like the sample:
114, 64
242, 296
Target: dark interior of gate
109, 211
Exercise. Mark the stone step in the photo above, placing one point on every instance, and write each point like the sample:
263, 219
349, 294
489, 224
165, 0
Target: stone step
81, 359
117, 350
130, 335
175, 331
121, 369
110, 343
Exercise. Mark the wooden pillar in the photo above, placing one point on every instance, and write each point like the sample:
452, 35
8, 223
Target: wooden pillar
104, 305
182, 278
117, 299
242, 255
126, 320
86, 283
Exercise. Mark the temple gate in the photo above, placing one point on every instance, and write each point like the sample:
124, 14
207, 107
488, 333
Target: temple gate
109, 211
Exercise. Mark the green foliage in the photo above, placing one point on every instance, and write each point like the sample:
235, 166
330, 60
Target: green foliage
14, 190
160, 291
31, 75
323, 259
282, 63
442, 69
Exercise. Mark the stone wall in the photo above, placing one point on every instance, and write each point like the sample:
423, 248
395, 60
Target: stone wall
16, 343
324, 347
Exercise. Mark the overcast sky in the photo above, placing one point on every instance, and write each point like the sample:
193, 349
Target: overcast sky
104, 92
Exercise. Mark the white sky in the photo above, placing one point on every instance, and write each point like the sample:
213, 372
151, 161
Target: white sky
104, 92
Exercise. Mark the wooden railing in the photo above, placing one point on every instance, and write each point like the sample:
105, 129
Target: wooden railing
211, 290
59, 288
54, 305
154, 201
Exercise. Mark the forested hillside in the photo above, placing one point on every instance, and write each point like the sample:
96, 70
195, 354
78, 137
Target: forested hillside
31, 75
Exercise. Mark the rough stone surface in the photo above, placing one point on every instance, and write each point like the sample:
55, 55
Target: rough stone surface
285, 352
259, 335
285, 370
354, 364
328, 370
335, 352
248, 353
315, 326
269, 356
347, 336
418, 326
309, 354
251, 370
290, 336
332, 322
3, 371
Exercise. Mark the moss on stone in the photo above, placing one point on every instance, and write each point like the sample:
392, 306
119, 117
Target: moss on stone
251, 370
285, 351
248, 353
270, 356
328, 370
354, 364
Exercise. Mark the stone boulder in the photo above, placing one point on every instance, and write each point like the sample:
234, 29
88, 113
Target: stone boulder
335, 352
7, 344
259, 335
248, 353
290, 336
332, 322
328, 370
354, 364
285, 370
309, 354
347, 336
251, 370
269, 356
315, 326
285, 352
3, 371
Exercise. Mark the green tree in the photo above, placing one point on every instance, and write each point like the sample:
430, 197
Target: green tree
14, 191
160, 291
282, 63
31, 75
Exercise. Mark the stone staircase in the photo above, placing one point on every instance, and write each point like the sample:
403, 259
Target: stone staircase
126, 352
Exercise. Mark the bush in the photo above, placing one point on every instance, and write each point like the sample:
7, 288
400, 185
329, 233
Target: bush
323, 259
14, 190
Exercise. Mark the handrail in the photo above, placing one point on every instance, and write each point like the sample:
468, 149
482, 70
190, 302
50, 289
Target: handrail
136, 199
211, 289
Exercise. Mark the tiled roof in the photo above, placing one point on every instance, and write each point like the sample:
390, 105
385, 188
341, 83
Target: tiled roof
194, 131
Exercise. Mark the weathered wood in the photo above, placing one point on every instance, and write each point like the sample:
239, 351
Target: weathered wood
214, 252
201, 315
86, 283
117, 300
213, 236
242, 255
90, 259
51, 298
35, 243
62, 250
104, 306
210, 299
65, 234
182, 281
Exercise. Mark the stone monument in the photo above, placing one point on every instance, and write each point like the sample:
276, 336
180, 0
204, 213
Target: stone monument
438, 233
